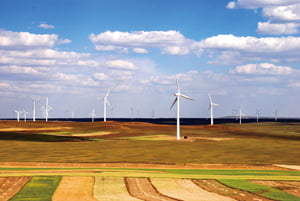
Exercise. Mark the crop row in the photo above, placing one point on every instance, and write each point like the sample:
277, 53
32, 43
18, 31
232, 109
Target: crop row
119, 188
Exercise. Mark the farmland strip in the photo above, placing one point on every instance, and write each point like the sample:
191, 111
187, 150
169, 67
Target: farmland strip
111, 188
143, 189
217, 187
9, 186
185, 189
75, 188
292, 187
38, 189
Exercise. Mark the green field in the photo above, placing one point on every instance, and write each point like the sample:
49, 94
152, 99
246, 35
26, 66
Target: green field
38, 188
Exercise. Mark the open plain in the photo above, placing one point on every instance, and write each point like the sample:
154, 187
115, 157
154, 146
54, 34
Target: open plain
143, 161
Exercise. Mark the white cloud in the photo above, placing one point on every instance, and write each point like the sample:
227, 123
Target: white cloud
25, 40
251, 48
283, 15
262, 69
253, 4
46, 26
140, 50
172, 42
287, 13
121, 64
277, 29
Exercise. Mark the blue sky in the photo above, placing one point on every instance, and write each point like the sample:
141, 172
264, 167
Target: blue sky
244, 52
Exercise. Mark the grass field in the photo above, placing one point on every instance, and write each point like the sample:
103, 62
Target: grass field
138, 153
253, 143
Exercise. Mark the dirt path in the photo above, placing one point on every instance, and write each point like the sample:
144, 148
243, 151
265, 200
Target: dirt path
111, 188
291, 187
9, 186
75, 188
143, 189
185, 190
293, 167
221, 189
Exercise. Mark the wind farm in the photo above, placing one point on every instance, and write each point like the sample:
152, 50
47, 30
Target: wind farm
150, 100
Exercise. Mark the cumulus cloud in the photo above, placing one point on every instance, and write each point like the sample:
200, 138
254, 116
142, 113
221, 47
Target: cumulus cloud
283, 15
288, 13
262, 69
277, 29
25, 40
236, 49
253, 4
46, 26
172, 42
121, 64
140, 50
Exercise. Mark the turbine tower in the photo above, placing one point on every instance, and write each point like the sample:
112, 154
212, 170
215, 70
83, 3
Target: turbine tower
257, 115
241, 113
93, 115
46, 108
211, 107
25, 115
105, 102
275, 115
18, 114
33, 110
177, 99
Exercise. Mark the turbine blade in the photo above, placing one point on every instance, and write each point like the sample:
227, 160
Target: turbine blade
173, 103
209, 107
215, 104
107, 102
107, 93
210, 99
100, 98
187, 97
177, 83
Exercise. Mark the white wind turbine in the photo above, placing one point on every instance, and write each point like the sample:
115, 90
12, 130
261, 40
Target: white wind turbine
25, 115
93, 115
18, 114
241, 114
105, 102
177, 99
275, 115
257, 115
211, 107
33, 109
46, 108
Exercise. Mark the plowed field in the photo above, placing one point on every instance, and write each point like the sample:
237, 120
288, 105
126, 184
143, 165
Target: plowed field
9, 186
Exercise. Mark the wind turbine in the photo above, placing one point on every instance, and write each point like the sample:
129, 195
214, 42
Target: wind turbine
46, 108
105, 102
93, 115
177, 99
25, 115
275, 114
257, 115
241, 113
211, 107
18, 114
33, 110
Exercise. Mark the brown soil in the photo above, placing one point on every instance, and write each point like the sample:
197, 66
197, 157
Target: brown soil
221, 189
139, 165
292, 187
9, 186
143, 189
75, 188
